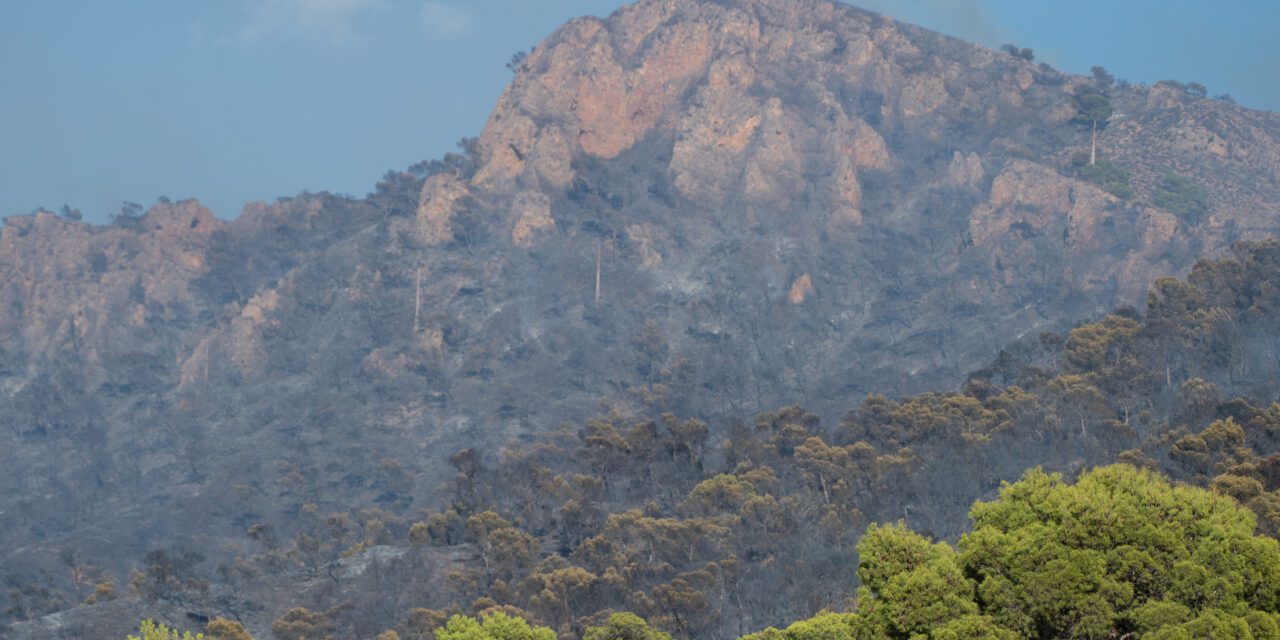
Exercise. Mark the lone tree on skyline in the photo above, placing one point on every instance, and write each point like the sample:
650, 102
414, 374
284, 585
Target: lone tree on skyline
1093, 108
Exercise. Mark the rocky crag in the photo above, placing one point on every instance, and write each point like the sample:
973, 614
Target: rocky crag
711, 208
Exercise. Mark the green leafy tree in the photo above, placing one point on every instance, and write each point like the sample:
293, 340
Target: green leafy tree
910, 585
151, 630
494, 626
824, 626
1121, 553
624, 626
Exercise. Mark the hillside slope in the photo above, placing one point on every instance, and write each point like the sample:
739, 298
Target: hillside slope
712, 208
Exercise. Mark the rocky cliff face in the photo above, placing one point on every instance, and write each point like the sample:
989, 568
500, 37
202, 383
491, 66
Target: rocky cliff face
910, 180
705, 207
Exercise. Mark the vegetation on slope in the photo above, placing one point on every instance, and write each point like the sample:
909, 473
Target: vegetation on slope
712, 533
1120, 553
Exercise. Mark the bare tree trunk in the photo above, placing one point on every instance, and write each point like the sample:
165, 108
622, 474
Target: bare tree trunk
417, 300
1093, 145
598, 250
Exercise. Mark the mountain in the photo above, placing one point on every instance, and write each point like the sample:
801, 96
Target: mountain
709, 208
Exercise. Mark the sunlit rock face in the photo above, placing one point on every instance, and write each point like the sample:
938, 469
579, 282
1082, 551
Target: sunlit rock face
915, 179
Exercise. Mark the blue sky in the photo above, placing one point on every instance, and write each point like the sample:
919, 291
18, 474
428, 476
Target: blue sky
232, 101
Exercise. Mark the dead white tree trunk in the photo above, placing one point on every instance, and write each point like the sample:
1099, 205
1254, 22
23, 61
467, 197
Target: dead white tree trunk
417, 300
1093, 145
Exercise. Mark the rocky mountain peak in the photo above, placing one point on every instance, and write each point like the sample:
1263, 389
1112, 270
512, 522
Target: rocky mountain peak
760, 104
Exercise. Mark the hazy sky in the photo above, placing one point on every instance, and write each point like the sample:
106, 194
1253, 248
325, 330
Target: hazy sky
231, 101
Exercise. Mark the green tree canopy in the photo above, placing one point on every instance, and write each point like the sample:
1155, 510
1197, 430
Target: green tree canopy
494, 626
624, 626
1119, 552
151, 630
1092, 106
1110, 552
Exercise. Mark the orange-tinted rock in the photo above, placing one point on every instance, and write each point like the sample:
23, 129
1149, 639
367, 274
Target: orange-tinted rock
437, 205
800, 289
532, 213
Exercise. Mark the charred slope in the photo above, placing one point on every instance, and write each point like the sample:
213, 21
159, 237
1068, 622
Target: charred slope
710, 535
710, 208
